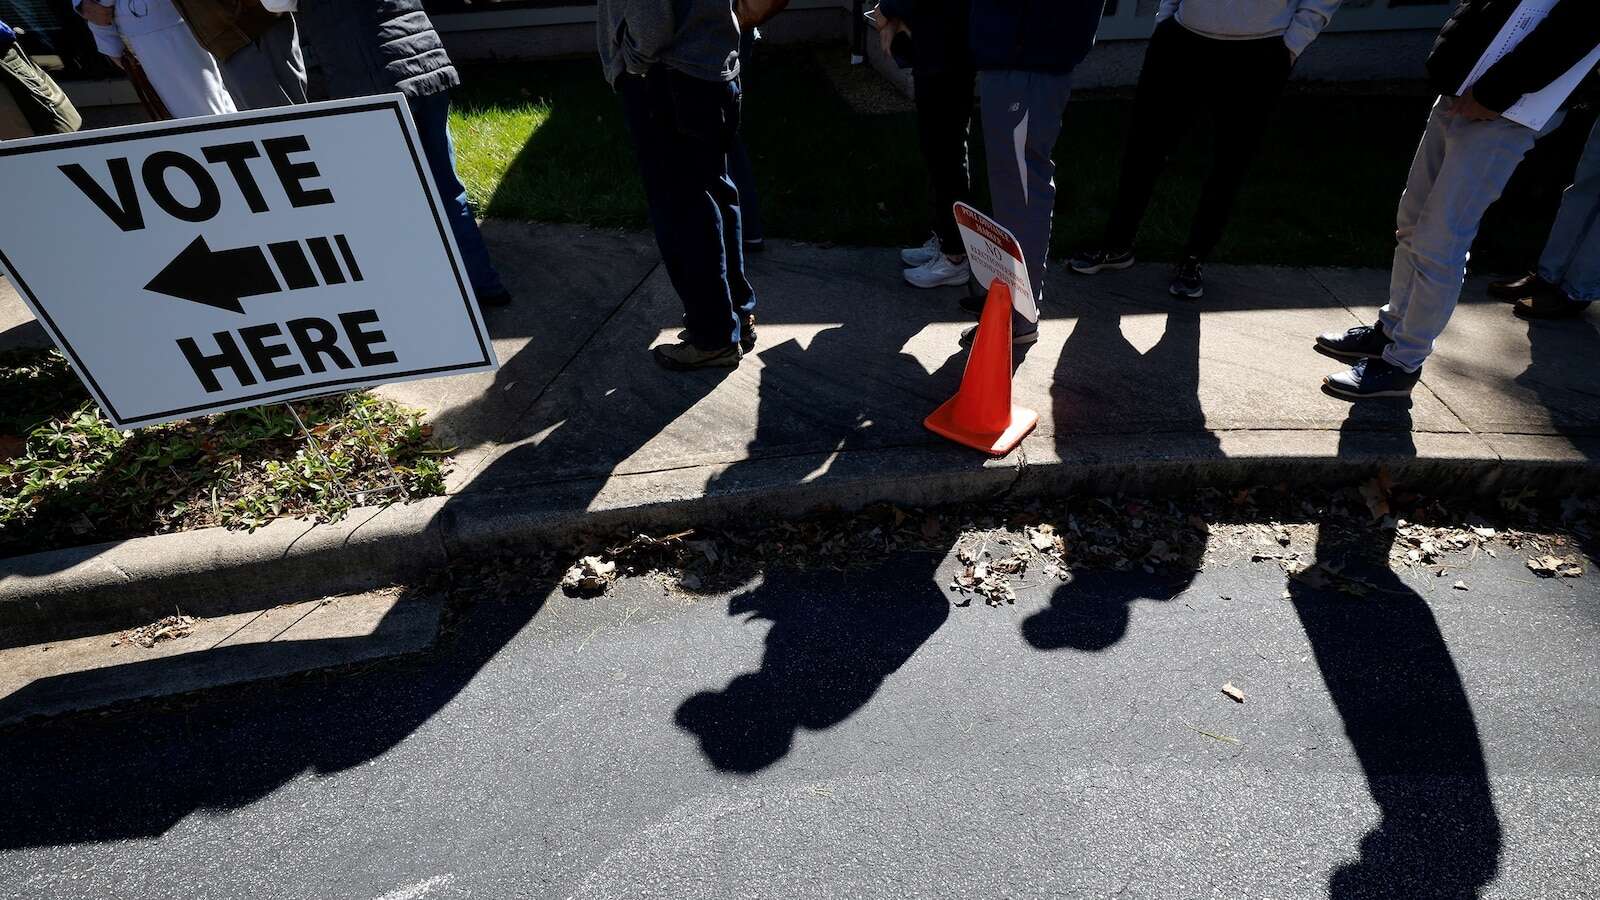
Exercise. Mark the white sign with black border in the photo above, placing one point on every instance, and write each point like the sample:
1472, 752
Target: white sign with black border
996, 255
209, 264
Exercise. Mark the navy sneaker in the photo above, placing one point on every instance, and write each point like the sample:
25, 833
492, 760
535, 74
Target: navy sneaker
1093, 262
1360, 342
1187, 279
1372, 378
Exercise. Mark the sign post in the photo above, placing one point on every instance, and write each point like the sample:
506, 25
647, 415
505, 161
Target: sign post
203, 265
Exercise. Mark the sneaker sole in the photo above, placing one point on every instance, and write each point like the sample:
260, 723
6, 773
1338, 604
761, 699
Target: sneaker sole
726, 361
1103, 267
950, 281
1187, 295
1345, 394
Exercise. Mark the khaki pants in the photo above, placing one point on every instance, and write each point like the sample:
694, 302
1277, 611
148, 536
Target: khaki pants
30, 101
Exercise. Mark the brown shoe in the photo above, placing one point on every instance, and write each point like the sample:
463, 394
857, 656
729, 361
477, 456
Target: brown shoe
747, 334
1517, 288
684, 356
1551, 305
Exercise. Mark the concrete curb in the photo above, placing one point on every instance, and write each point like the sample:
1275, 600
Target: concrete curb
214, 571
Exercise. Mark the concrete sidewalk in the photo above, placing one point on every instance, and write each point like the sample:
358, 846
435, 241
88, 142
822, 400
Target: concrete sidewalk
579, 429
851, 359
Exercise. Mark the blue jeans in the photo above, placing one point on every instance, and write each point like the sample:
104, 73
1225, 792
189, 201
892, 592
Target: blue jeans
683, 129
1571, 256
1460, 169
432, 115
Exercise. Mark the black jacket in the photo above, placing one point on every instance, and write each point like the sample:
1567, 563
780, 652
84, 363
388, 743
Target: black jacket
938, 32
1569, 33
370, 47
1035, 35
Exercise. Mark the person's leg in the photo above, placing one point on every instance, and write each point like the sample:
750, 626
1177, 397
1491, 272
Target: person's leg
1021, 120
1475, 162
944, 121
269, 71
432, 117
1250, 76
681, 139
1571, 257
1163, 111
185, 77
733, 207
1425, 166
744, 177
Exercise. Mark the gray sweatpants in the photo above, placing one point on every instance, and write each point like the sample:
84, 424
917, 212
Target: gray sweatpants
269, 71
1021, 120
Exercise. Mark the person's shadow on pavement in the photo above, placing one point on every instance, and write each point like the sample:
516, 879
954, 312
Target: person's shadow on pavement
1104, 384
1391, 677
832, 644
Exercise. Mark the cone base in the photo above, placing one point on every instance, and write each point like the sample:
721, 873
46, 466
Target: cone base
942, 423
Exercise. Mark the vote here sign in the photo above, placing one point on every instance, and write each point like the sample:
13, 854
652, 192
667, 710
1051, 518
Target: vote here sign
210, 264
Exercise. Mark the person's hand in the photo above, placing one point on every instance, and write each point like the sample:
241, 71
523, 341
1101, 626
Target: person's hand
1467, 107
117, 61
96, 13
888, 28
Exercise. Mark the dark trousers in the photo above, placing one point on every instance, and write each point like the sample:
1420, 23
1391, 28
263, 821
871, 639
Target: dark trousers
1237, 83
683, 129
744, 176
944, 120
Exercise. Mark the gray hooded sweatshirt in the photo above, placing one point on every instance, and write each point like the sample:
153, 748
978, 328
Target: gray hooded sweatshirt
695, 37
1297, 21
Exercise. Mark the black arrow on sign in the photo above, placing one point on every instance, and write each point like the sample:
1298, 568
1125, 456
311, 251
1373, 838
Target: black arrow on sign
218, 278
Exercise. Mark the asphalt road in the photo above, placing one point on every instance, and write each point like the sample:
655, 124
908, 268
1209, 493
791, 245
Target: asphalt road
824, 735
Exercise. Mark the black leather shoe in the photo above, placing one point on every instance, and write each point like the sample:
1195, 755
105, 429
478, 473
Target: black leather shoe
1517, 288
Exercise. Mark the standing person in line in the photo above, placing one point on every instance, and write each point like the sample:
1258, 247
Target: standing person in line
367, 47
675, 64
1025, 51
185, 77
259, 50
31, 103
1232, 60
1568, 277
1468, 153
744, 175
944, 83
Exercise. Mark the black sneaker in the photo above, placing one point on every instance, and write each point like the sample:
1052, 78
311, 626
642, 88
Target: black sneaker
1187, 279
1093, 262
1372, 378
755, 245
1360, 342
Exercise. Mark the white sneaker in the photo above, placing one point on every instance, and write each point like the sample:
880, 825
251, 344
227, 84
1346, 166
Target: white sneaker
939, 272
921, 256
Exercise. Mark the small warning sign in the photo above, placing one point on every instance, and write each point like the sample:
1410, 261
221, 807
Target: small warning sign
211, 264
995, 254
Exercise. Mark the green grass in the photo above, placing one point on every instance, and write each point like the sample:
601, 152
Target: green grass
545, 141
68, 478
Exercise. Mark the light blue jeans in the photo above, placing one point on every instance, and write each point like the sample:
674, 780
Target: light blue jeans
1571, 256
1460, 169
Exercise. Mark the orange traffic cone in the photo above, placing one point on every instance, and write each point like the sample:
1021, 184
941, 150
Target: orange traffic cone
981, 415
